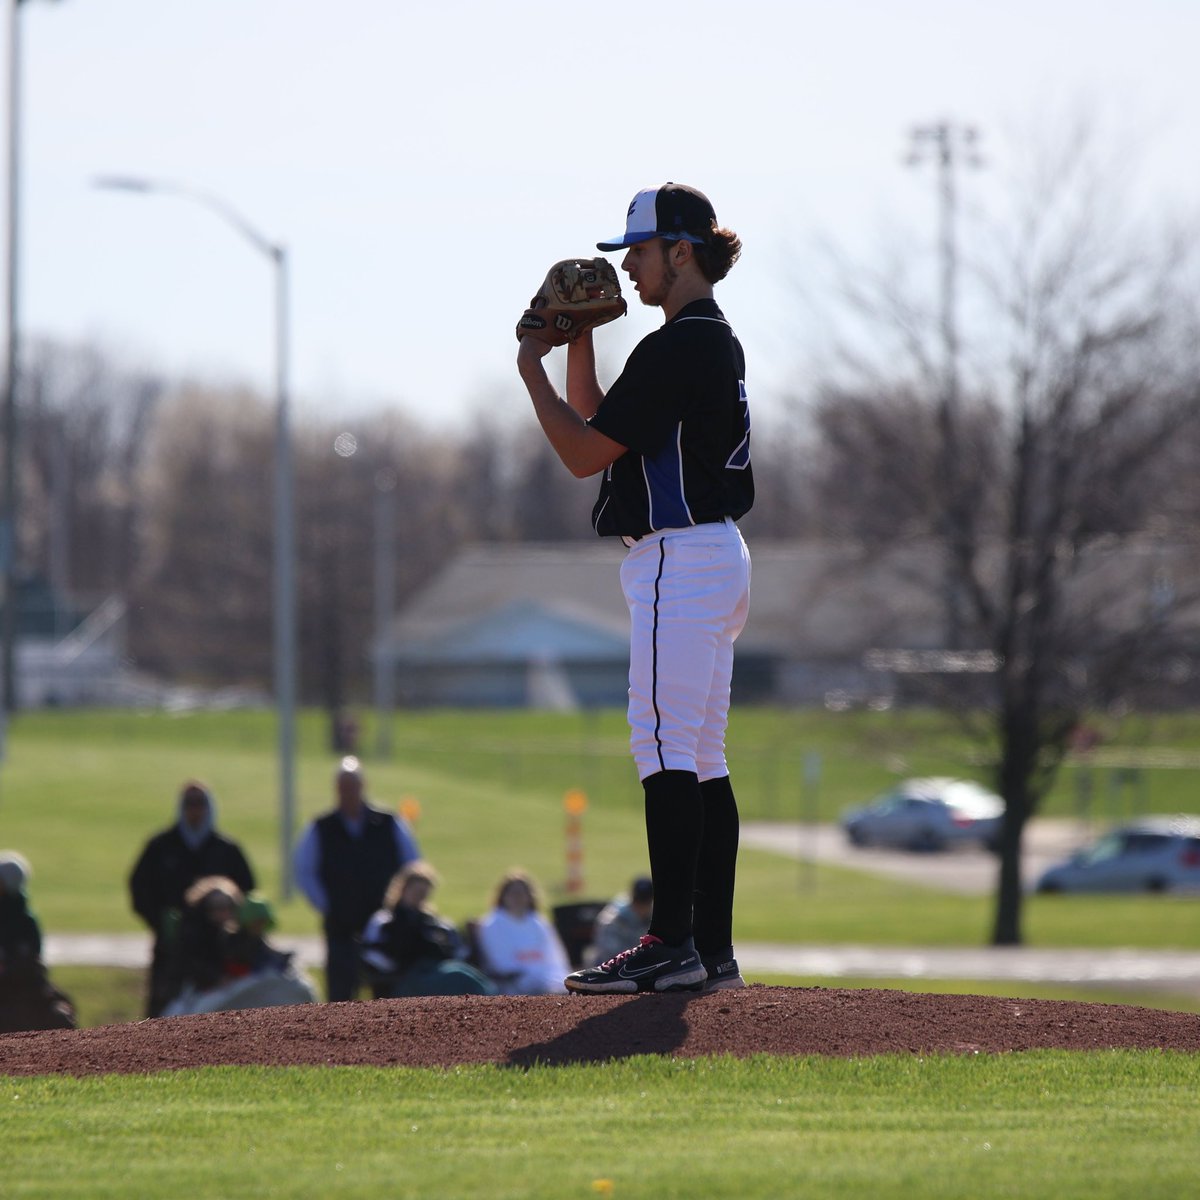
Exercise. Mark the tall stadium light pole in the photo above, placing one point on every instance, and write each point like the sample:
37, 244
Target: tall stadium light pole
8, 620
284, 600
949, 145
8, 418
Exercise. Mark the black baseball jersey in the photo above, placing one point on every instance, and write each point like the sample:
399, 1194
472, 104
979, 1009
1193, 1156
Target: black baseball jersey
680, 408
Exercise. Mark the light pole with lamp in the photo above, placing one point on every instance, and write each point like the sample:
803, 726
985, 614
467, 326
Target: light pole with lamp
949, 145
284, 599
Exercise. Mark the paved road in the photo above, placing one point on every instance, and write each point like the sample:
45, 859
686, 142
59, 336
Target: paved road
968, 871
1150, 967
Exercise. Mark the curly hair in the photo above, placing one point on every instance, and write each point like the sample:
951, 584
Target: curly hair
717, 255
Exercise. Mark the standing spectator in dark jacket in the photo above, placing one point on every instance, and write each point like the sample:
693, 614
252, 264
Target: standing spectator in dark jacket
344, 863
170, 863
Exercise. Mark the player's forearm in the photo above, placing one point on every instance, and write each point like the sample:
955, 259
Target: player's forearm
565, 429
582, 449
584, 393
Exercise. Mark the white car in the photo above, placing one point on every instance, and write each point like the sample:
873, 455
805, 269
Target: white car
1157, 854
928, 814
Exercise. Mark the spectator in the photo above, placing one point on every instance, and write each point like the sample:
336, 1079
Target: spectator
224, 960
622, 922
251, 952
517, 946
169, 864
409, 950
344, 863
28, 1000
204, 940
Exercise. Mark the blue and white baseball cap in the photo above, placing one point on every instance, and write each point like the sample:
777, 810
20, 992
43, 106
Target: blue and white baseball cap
673, 211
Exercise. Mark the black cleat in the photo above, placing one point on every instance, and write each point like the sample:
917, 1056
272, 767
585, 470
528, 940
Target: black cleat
723, 973
650, 966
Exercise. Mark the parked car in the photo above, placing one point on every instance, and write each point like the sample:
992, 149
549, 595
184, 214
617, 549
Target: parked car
928, 814
1156, 854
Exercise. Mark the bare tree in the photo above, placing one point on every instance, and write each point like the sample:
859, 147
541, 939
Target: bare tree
1083, 360
784, 482
438, 502
201, 598
84, 439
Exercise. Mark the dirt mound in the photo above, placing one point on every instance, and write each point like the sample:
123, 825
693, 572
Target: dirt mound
519, 1032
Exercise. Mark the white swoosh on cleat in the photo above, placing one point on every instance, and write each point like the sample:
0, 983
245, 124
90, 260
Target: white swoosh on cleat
626, 973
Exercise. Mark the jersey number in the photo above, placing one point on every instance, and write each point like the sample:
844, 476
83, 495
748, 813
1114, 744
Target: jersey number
739, 460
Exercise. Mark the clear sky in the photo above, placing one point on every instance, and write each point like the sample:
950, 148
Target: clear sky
426, 163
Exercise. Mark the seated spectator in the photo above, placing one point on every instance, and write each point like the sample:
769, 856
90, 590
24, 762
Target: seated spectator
203, 938
409, 950
222, 958
622, 922
28, 1000
518, 948
249, 951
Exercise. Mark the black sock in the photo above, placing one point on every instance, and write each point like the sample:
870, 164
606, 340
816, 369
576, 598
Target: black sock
674, 825
715, 870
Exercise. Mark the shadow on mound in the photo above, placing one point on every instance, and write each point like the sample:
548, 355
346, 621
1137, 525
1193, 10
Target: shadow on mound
637, 1025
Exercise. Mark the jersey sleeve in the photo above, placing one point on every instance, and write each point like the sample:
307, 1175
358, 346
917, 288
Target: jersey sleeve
645, 403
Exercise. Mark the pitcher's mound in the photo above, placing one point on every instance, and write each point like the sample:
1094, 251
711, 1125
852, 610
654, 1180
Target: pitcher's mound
446, 1031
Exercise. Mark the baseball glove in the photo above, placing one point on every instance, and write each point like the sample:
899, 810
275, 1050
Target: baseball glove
577, 294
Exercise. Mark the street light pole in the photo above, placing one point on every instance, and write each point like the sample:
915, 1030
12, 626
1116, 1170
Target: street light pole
284, 564
285, 577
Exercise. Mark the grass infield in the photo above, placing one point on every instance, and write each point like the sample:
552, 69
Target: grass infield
1044, 1124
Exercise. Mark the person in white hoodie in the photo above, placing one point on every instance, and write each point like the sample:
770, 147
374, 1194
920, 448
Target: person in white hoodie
519, 949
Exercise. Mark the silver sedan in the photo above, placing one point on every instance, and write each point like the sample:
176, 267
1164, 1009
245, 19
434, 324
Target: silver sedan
928, 814
1157, 854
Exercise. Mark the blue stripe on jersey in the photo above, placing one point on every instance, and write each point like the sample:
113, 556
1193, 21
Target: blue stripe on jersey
664, 486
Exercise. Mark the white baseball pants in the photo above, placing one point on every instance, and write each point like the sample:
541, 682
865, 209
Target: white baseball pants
688, 592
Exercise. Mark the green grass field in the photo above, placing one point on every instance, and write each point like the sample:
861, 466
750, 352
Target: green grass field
80, 792
1091, 1126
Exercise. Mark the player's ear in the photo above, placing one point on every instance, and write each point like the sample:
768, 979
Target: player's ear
681, 251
